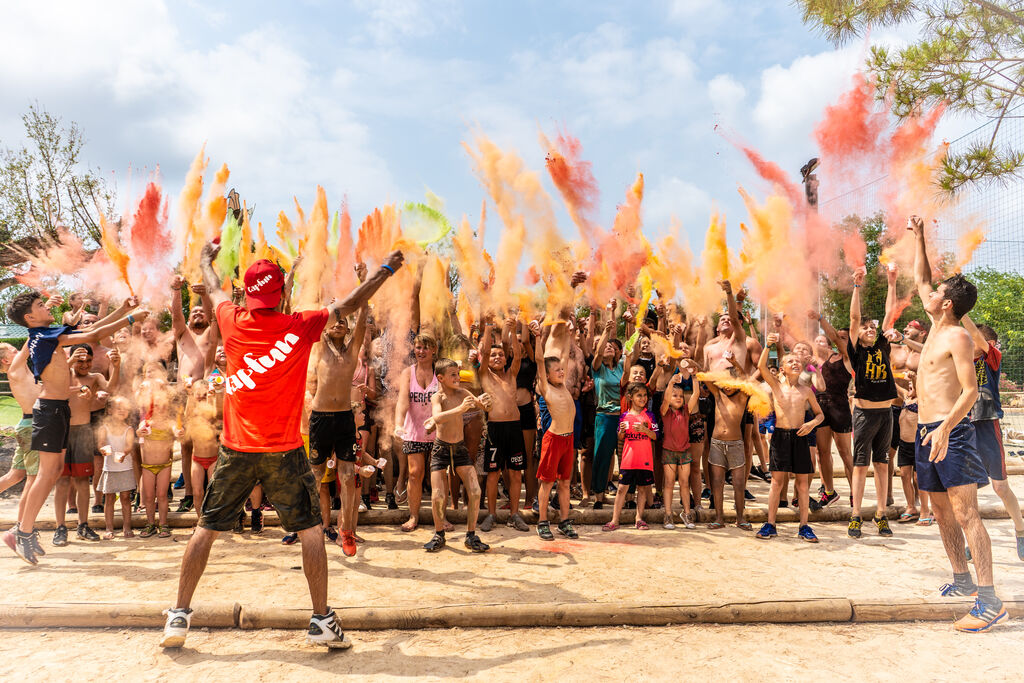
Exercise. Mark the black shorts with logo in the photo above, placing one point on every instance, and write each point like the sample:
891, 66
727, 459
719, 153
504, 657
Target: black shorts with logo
330, 434
51, 420
452, 456
506, 449
287, 481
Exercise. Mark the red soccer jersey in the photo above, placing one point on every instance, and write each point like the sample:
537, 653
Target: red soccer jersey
637, 453
267, 356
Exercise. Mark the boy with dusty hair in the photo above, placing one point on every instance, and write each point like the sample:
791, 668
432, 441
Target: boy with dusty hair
449, 451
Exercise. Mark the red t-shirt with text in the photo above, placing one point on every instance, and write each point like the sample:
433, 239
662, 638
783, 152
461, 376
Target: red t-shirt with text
637, 453
267, 356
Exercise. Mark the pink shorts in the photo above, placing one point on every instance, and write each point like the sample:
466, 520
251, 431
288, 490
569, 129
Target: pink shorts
556, 457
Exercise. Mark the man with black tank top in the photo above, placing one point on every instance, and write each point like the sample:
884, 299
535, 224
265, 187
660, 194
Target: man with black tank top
872, 412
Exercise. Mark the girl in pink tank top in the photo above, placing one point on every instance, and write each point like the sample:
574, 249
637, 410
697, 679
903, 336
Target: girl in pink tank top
419, 408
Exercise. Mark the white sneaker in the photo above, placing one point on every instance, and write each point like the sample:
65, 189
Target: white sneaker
325, 630
176, 628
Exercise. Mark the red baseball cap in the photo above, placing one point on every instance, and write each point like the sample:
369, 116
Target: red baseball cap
263, 285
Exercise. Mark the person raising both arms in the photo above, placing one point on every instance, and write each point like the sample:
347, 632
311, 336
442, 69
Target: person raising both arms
872, 413
196, 342
834, 401
505, 450
607, 371
51, 413
948, 464
267, 357
790, 450
332, 427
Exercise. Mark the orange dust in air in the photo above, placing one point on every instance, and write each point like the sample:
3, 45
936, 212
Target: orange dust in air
111, 244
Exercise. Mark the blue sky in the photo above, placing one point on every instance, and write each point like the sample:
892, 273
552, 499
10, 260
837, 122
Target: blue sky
373, 99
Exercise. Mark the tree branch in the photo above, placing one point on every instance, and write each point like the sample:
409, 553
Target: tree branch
996, 9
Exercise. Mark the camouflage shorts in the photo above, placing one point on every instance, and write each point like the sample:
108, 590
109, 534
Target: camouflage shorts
287, 480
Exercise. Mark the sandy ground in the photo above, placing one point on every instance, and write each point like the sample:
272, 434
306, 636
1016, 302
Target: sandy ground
843, 652
627, 565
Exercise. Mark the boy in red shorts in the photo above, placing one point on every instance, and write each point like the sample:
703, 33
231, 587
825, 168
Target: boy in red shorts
556, 448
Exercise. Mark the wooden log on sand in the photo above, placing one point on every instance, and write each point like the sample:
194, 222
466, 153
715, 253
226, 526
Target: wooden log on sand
588, 516
513, 615
922, 610
115, 615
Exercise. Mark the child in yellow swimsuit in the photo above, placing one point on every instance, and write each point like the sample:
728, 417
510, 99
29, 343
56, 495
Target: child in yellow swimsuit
156, 434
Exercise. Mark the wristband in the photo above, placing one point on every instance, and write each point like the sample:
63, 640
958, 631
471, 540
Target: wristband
856, 285
387, 268
131, 320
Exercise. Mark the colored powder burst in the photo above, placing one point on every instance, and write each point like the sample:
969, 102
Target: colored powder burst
189, 209
759, 404
112, 248
967, 245
230, 246
344, 261
435, 297
150, 244
424, 224
245, 246
574, 179
776, 258
316, 267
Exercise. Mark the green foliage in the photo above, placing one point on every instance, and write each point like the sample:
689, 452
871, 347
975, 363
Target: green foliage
999, 305
43, 183
969, 57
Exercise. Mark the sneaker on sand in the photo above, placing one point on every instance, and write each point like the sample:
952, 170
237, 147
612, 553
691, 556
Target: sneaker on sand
807, 534
766, 531
348, 543
186, 504
854, 529
952, 590
487, 524
325, 630
544, 531
566, 529
436, 542
176, 627
883, 526
24, 546
85, 533
256, 522
474, 543
517, 522
60, 536
982, 617
290, 539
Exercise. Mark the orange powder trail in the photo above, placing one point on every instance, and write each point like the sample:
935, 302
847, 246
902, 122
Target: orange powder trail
188, 232
315, 266
344, 262
150, 245
473, 269
112, 247
575, 181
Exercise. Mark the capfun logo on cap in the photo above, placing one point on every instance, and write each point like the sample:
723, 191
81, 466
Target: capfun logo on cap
255, 288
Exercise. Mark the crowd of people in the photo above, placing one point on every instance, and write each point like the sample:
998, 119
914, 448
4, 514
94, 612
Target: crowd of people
305, 412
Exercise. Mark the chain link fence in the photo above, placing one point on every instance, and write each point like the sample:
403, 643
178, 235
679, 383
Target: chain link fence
997, 265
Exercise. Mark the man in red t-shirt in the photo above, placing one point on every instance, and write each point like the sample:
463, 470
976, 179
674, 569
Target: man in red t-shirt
267, 355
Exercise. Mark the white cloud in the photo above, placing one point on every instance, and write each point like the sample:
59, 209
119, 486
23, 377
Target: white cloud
393, 19
726, 95
673, 197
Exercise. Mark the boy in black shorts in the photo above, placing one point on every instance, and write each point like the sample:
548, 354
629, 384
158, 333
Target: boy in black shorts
449, 452
790, 450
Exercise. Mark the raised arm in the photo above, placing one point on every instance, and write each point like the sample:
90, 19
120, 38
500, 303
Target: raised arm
762, 363
177, 315
358, 297
738, 333
355, 345
542, 371
97, 332
606, 336
210, 277
483, 349
922, 269
980, 343
888, 319
858, 280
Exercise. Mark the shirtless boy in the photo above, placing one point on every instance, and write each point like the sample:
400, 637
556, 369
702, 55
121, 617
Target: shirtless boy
332, 427
505, 450
449, 450
556, 447
51, 413
790, 450
196, 343
25, 464
948, 464
727, 453
86, 386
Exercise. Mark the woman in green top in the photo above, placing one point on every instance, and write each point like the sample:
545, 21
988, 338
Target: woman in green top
607, 371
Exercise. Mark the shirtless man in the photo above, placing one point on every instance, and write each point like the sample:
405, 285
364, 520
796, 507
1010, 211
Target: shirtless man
505, 450
79, 466
100, 361
790, 450
948, 464
905, 359
196, 342
332, 427
875, 390
25, 465
449, 451
556, 447
730, 337
51, 413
